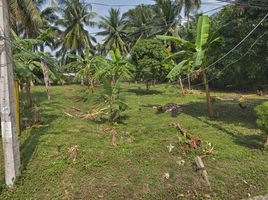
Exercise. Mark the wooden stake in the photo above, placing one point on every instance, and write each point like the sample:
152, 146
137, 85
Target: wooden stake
201, 167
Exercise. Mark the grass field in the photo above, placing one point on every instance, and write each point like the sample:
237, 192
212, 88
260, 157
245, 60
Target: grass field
134, 169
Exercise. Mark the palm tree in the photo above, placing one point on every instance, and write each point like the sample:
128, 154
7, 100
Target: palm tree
139, 22
25, 16
76, 16
167, 17
115, 31
189, 6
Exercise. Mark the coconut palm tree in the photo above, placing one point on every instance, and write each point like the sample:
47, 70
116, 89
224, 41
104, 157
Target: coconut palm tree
189, 6
25, 16
76, 16
167, 17
139, 22
115, 31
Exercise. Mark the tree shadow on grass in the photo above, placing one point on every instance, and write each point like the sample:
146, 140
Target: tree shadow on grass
46, 109
30, 144
142, 92
229, 112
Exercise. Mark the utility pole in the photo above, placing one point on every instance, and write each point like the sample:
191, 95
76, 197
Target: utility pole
7, 103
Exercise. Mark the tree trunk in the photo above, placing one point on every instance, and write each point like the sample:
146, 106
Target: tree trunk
181, 86
113, 80
266, 143
147, 85
209, 103
189, 82
82, 82
46, 77
28, 94
90, 84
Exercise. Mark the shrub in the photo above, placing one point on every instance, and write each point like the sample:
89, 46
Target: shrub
262, 118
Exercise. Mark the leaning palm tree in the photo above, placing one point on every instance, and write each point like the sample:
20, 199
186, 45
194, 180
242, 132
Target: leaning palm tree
115, 31
76, 16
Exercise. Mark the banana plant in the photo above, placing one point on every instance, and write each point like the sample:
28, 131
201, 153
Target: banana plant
114, 104
193, 55
29, 64
117, 68
85, 67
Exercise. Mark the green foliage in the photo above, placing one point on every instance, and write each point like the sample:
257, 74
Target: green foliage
76, 16
117, 68
262, 116
250, 70
147, 55
193, 54
114, 31
114, 104
84, 67
28, 63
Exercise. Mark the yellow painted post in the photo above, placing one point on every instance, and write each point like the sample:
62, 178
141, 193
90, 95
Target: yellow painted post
17, 103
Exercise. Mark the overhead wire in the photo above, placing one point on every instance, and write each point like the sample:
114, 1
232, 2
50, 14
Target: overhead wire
236, 46
235, 61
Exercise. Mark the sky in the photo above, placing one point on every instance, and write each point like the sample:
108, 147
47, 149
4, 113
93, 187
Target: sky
103, 10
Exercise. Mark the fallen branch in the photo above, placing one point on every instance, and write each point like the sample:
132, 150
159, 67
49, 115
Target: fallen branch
183, 131
193, 141
68, 114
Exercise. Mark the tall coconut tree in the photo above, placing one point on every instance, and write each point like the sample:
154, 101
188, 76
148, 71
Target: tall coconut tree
76, 17
189, 6
115, 31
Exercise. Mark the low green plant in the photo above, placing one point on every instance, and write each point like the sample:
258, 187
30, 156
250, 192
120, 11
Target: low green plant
262, 117
114, 103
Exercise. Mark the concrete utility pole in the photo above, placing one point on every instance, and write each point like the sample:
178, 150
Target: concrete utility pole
8, 117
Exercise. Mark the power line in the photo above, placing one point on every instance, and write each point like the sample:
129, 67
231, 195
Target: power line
235, 61
236, 46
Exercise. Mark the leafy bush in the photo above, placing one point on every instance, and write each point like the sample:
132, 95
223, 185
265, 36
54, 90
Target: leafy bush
262, 116
147, 55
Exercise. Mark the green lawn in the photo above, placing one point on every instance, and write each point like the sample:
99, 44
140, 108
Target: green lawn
134, 169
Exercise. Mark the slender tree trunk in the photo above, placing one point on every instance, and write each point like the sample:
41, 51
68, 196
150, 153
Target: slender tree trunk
266, 143
189, 82
82, 82
113, 80
181, 86
28, 94
209, 103
46, 77
147, 85
90, 84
